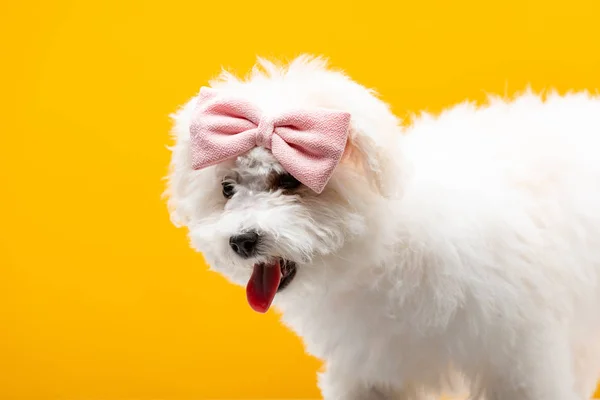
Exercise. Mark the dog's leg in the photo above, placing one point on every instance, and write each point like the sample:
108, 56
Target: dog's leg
339, 387
352, 391
538, 367
365, 392
586, 364
334, 386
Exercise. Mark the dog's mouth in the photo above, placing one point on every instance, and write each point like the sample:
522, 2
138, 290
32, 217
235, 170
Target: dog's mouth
267, 280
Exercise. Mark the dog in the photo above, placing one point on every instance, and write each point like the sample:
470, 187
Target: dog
459, 252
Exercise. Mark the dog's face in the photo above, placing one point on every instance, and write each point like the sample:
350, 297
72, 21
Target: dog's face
261, 220
253, 221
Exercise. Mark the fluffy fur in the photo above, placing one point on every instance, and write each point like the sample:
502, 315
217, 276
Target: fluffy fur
465, 248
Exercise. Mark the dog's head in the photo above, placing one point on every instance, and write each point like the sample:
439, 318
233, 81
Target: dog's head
254, 221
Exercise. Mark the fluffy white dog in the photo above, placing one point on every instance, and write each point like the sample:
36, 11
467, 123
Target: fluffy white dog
465, 248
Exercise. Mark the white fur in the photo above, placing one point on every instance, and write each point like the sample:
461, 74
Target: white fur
464, 248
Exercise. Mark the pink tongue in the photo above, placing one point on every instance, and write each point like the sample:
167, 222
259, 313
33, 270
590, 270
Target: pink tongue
263, 285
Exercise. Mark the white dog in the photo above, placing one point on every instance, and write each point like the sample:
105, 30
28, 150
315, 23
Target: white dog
465, 248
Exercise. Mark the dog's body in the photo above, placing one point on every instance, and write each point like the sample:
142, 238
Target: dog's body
467, 245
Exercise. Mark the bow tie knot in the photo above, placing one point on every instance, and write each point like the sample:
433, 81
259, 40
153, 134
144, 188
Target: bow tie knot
264, 132
308, 144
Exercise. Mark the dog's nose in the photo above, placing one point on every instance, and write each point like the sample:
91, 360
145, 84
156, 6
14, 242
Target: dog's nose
244, 244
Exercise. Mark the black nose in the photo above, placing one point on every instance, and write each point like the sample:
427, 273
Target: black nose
244, 244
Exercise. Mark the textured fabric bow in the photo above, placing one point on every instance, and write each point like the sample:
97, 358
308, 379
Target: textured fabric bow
307, 143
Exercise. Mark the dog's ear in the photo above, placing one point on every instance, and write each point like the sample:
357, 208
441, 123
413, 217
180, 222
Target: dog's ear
375, 161
184, 185
179, 186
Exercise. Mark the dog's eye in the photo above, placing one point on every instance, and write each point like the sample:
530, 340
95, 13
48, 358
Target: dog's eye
228, 189
287, 181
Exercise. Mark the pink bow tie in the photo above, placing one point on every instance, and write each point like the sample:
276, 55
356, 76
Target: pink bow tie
307, 143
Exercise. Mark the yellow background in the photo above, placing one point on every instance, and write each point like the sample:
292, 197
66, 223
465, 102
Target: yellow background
100, 297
